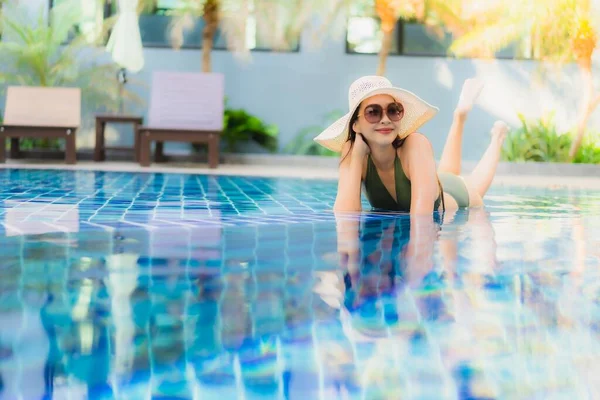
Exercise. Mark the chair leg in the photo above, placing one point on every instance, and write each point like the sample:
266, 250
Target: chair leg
15, 149
213, 151
159, 152
99, 152
136, 142
70, 151
2, 148
144, 149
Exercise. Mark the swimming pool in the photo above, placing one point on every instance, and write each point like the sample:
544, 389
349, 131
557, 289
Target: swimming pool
121, 285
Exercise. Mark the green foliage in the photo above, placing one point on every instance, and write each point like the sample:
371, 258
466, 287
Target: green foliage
536, 141
589, 152
303, 143
540, 141
240, 126
45, 143
34, 143
36, 56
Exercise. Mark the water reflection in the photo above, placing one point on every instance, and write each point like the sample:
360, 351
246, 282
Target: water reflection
379, 306
33, 218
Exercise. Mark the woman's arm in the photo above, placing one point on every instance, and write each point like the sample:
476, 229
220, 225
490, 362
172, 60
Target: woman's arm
350, 176
419, 251
422, 173
348, 244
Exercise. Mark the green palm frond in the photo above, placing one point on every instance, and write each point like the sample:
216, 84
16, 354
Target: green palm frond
22, 32
62, 18
37, 56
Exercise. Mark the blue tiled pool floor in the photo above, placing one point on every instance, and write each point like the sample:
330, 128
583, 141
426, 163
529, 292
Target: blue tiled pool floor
121, 285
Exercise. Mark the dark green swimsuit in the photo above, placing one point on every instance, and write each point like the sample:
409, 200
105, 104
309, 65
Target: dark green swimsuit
381, 199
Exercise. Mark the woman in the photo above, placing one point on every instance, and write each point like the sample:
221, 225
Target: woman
381, 150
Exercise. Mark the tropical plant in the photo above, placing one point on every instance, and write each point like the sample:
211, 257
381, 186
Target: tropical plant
211, 12
388, 12
556, 31
242, 127
536, 141
437, 16
589, 151
303, 143
40, 54
230, 16
541, 141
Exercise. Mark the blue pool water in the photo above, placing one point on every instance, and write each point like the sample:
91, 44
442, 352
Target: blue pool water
139, 286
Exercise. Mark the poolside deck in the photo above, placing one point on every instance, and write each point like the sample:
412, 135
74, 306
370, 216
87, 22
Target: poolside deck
530, 174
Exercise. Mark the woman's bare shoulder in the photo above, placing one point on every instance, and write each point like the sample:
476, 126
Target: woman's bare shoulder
414, 144
415, 149
417, 139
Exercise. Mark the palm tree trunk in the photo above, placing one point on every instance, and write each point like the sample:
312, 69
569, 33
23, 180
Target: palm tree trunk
388, 14
211, 23
207, 45
386, 44
588, 105
583, 44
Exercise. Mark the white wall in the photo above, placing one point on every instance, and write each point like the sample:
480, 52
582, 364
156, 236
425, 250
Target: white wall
294, 90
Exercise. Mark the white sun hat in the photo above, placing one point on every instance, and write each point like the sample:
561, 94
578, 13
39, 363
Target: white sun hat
416, 110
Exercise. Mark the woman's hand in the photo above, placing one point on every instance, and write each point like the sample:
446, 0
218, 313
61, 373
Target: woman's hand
361, 148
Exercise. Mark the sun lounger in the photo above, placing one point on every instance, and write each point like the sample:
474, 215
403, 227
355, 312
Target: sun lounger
41, 112
184, 107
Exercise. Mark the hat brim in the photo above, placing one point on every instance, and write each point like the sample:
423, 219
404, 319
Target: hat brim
416, 113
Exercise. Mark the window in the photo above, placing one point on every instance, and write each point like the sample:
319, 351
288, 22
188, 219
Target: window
410, 38
155, 25
89, 16
155, 28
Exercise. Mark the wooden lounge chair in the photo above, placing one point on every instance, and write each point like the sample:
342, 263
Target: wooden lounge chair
41, 112
184, 107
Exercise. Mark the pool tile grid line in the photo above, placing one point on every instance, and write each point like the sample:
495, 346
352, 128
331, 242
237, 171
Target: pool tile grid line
282, 249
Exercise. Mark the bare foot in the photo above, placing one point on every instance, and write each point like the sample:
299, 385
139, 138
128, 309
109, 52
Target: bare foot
499, 131
469, 93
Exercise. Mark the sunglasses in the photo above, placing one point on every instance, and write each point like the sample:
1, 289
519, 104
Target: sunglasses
374, 113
